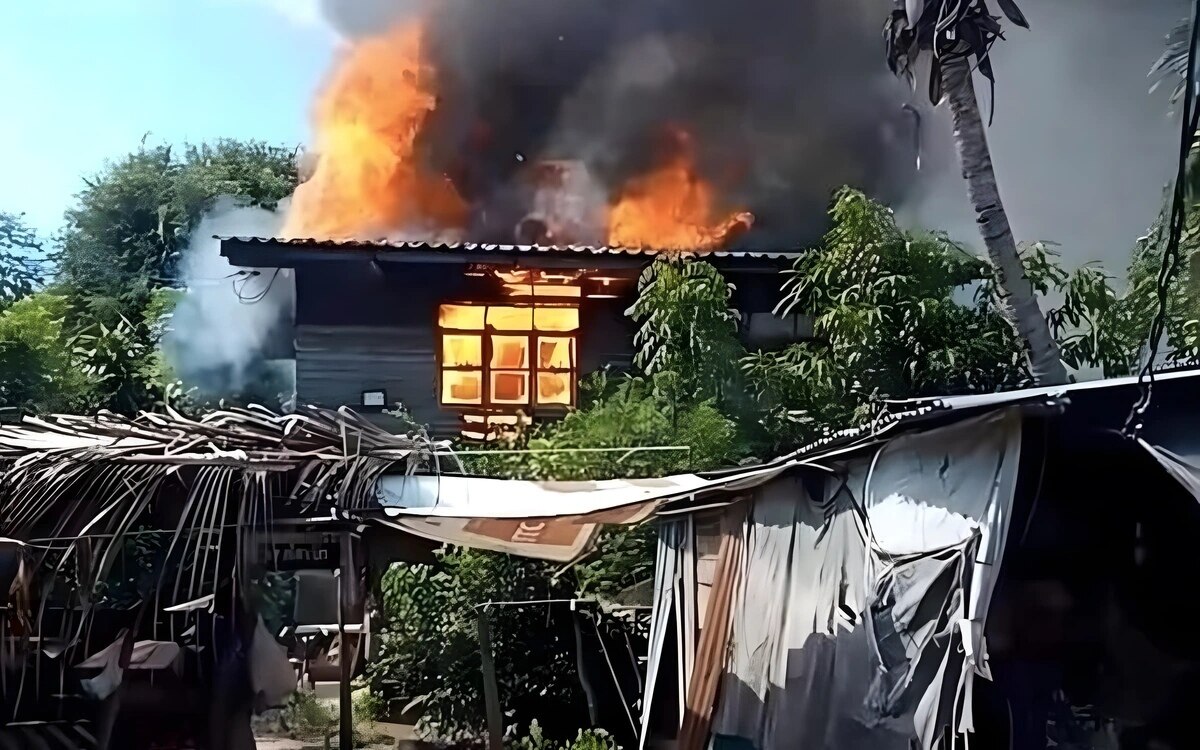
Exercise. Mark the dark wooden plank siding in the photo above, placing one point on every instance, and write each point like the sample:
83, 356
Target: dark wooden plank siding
335, 364
605, 335
363, 326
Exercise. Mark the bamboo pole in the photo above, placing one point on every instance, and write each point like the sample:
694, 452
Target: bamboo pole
345, 707
491, 691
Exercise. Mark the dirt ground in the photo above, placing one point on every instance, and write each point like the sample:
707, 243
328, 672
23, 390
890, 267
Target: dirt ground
397, 732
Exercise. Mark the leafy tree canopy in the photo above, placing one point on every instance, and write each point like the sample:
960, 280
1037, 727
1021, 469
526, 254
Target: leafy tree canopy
37, 370
130, 223
20, 259
121, 247
896, 314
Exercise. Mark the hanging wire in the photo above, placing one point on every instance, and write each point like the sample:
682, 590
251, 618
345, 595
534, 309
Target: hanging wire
239, 287
1171, 259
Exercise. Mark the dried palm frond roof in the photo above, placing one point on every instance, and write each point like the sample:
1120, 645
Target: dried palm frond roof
50, 465
252, 437
141, 514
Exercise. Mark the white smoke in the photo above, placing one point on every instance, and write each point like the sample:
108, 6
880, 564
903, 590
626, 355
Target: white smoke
225, 325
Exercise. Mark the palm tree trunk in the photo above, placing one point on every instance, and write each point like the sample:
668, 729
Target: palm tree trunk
1017, 300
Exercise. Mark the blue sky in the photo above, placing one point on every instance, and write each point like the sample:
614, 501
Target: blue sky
84, 80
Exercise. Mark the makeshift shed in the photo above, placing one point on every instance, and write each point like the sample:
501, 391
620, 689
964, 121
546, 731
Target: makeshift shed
201, 553
1007, 569
155, 545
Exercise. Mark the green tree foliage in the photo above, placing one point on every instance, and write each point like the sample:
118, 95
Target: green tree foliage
20, 259
658, 431
125, 235
584, 740
37, 372
121, 247
894, 316
687, 328
430, 654
1102, 327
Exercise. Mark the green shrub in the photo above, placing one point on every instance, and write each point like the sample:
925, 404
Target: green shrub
307, 717
586, 739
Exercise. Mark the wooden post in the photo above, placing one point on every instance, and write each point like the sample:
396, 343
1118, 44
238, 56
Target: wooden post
491, 691
346, 578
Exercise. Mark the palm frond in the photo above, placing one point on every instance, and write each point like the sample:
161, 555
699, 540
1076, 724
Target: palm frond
1172, 65
942, 29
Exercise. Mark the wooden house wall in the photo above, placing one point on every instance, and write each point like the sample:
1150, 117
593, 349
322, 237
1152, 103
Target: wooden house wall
360, 328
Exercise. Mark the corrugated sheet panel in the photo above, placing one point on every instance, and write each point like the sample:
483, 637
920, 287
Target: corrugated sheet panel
973, 401
386, 244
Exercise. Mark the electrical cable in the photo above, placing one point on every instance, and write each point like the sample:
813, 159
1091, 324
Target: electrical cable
245, 299
1171, 260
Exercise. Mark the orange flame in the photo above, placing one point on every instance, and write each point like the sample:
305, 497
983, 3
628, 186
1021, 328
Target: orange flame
369, 179
672, 208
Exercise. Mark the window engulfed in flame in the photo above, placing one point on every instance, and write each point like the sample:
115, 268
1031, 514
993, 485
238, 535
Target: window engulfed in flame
508, 357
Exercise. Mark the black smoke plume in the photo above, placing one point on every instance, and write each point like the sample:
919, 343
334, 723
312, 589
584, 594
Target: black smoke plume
786, 100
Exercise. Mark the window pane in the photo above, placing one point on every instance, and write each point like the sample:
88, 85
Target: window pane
557, 353
554, 388
510, 387
510, 352
461, 317
556, 318
459, 387
510, 318
462, 351
542, 290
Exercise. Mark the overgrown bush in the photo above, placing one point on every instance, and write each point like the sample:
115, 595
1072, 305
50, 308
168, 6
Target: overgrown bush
307, 717
429, 658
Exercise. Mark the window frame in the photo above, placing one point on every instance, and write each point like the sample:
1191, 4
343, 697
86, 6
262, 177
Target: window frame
486, 405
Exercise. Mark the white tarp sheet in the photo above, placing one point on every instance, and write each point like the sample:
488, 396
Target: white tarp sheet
952, 483
859, 622
547, 520
671, 538
802, 588
481, 497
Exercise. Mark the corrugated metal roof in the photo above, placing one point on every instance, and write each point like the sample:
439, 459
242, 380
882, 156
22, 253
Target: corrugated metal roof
386, 245
902, 414
1004, 398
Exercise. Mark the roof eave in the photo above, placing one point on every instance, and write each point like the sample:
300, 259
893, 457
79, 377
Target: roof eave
273, 253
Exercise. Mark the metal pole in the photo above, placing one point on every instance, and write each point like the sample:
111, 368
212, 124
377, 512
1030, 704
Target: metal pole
345, 708
491, 692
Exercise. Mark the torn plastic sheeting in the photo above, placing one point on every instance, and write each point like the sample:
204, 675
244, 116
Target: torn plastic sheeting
959, 480
799, 670
146, 655
918, 604
555, 538
799, 596
480, 497
666, 574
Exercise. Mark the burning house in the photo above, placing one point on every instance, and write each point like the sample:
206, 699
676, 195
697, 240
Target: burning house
485, 186
469, 336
